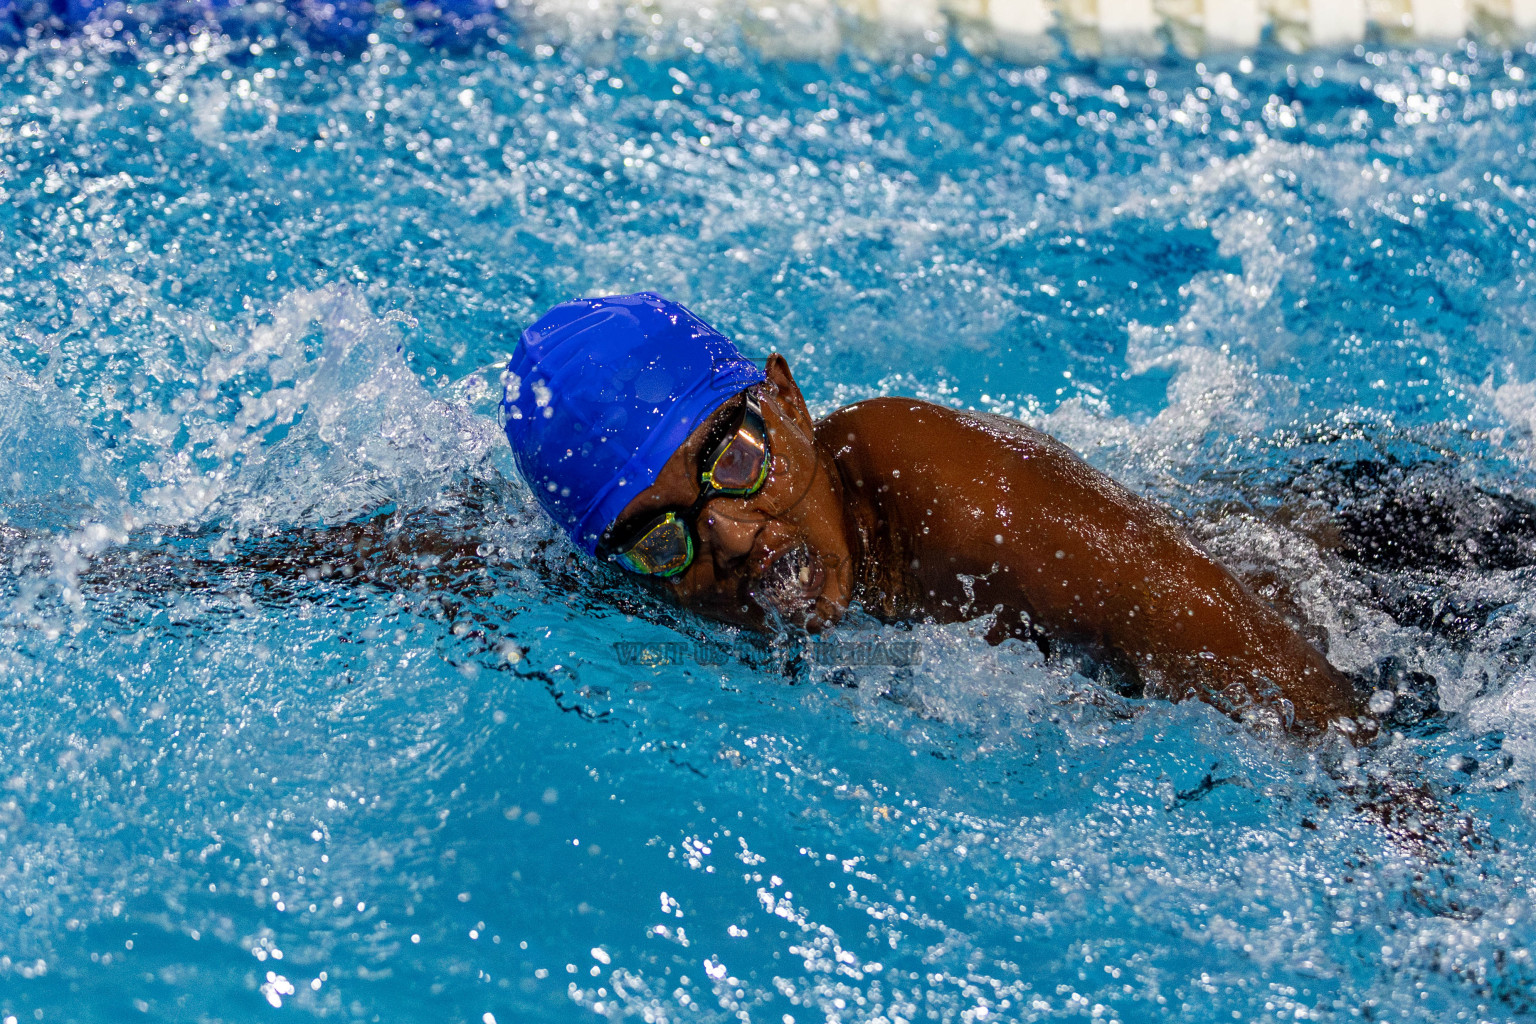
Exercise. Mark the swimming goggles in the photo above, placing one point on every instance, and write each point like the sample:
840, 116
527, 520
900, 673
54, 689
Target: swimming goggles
737, 467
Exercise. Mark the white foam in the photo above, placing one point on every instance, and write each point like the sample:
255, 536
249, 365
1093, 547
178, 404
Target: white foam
42, 427
1515, 403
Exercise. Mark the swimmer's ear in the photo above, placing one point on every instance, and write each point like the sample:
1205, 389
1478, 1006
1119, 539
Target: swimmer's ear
789, 393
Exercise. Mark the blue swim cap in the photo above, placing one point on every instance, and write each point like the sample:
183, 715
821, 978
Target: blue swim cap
600, 393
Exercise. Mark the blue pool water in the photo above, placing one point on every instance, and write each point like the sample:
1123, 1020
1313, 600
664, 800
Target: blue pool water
307, 713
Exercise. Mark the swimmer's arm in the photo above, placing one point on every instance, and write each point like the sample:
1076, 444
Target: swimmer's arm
1173, 615
989, 513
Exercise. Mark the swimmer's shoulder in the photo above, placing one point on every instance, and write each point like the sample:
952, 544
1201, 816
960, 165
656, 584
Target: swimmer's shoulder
961, 448
894, 418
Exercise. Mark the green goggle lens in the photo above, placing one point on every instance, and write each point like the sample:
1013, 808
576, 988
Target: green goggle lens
738, 467
741, 463
665, 549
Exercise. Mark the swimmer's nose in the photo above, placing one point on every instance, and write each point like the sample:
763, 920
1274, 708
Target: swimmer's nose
728, 533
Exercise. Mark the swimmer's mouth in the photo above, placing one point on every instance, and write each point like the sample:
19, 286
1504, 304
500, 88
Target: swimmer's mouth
790, 584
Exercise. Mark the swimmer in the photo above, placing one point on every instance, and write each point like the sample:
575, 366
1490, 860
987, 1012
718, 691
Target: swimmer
656, 446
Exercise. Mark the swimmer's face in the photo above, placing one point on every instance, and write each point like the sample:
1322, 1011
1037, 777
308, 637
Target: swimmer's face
782, 551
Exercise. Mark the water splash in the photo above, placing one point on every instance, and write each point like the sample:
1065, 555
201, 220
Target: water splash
311, 706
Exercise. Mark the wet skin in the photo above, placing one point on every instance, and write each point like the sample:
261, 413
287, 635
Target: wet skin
914, 510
